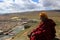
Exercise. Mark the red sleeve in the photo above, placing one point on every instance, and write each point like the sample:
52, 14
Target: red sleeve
40, 25
39, 29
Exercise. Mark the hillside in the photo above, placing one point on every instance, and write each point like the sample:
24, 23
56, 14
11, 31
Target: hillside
6, 22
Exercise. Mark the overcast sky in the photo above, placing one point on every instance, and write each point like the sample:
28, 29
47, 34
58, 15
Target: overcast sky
9, 6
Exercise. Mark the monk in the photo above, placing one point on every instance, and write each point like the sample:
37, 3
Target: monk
45, 30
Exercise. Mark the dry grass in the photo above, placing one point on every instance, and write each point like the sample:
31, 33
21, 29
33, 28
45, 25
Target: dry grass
55, 17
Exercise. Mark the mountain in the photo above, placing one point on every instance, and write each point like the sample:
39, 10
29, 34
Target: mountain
30, 14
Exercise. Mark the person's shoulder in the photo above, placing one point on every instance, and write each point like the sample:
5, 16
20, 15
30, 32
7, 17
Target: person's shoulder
50, 20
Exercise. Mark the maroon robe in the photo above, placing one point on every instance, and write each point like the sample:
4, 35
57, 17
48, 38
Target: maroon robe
45, 31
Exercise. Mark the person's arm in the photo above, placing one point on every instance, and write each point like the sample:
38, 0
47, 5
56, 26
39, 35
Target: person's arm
39, 31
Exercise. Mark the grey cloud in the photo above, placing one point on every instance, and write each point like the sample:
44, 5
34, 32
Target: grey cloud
53, 4
27, 5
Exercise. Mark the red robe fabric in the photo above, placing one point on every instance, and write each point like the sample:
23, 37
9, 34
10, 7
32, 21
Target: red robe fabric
45, 31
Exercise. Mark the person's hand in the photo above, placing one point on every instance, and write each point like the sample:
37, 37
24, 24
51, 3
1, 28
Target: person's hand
32, 34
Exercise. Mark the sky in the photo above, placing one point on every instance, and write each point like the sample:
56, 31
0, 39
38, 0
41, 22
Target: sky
12, 6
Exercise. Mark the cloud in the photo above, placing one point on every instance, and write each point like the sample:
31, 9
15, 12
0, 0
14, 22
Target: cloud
52, 4
19, 5
8, 6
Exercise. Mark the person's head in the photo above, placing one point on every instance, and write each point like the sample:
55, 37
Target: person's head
43, 16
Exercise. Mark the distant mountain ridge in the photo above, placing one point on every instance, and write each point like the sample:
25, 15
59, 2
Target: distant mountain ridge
29, 14
33, 11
